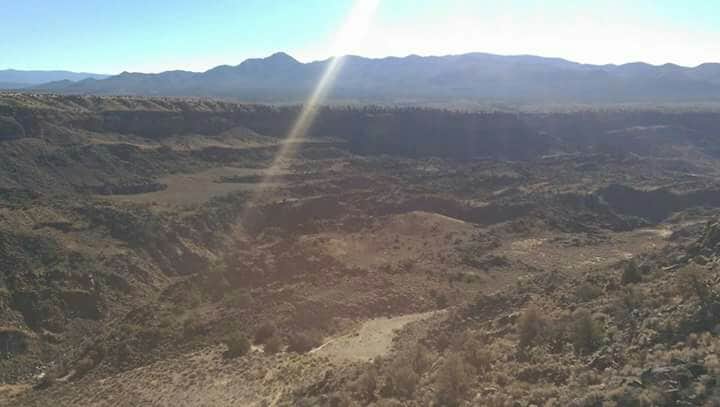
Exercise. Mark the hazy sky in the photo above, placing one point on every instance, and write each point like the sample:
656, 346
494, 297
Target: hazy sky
110, 36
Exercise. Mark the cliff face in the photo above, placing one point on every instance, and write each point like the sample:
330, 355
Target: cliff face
371, 130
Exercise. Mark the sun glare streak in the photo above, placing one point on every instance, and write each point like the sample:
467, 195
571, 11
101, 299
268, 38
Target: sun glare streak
350, 36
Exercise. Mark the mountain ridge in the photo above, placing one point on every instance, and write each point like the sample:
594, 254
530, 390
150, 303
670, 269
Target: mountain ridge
473, 76
16, 79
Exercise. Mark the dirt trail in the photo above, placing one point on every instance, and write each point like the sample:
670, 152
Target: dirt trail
374, 338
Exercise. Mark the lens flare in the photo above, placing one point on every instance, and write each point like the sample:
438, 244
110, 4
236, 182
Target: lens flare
348, 38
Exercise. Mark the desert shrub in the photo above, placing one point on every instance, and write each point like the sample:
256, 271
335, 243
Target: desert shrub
588, 292
214, 281
133, 224
340, 399
587, 333
389, 403
589, 378
453, 380
503, 379
441, 300
83, 366
152, 336
273, 345
303, 342
192, 326
239, 298
695, 282
48, 380
92, 356
264, 332
557, 333
692, 282
591, 399
476, 355
634, 397
442, 340
401, 380
237, 344
543, 396
537, 373
530, 327
631, 274
123, 353
630, 299
366, 384
192, 298
419, 358
407, 265
712, 364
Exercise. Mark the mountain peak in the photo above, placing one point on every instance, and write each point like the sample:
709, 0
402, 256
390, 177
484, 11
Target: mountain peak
282, 57
278, 59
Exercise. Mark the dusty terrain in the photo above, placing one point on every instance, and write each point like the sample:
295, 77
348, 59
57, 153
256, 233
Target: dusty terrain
402, 257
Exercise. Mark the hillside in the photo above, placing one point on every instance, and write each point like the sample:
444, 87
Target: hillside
16, 79
469, 78
402, 256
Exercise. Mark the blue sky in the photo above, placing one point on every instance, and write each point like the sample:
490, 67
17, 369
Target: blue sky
155, 35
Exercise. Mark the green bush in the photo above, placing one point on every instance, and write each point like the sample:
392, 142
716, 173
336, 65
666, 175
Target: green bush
475, 354
401, 380
693, 281
151, 337
303, 342
340, 399
420, 359
273, 345
587, 333
264, 332
631, 274
366, 384
83, 366
453, 380
530, 328
192, 326
238, 345
588, 292
239, 298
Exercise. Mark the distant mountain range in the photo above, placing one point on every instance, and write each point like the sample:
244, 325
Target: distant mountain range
14, 79
469, 77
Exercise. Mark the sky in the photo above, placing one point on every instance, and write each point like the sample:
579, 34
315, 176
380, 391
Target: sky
109, 36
